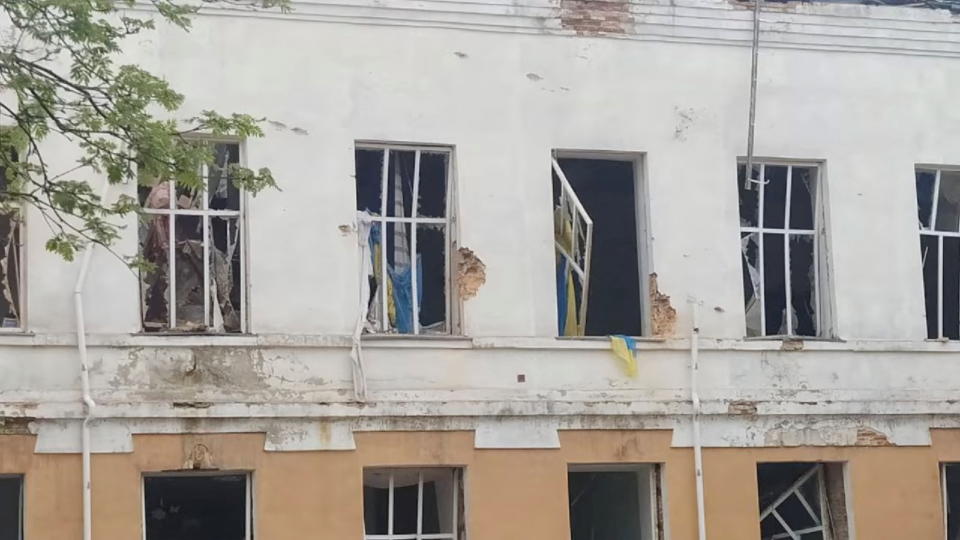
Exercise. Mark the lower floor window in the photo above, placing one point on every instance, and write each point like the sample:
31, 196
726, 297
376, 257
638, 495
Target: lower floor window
614, 502
197, 506
11, 507
802, 501
413, 504
950, 483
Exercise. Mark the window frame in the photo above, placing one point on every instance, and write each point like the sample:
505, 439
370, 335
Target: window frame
21, 214
638, 161
206, 214
248, 496
821, 266
459, 494
939, 235
654, 497
448, 222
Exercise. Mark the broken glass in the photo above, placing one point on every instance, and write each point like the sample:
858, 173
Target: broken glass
400, 183
951, 287
369, 171
424, 498
433, 185
750, 255
774, 196
154, 281
774, 284
432, 258
930, 260
790, 505
222, 194
188, 270
803, 287
948, 202
926, 181
749, 197
224, 272
10, 269
803, 197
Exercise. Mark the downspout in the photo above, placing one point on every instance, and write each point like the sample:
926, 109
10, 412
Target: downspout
695, 400
748, 173
88, 404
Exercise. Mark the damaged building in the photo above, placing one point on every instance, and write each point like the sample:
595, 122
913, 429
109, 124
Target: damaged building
553, 270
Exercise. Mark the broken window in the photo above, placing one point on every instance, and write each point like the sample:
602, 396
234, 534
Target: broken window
781, 250
403, 203
950, 484
193, 240
615, 502
597, 219
802, 501
10, 259
938, 214
197, 506
408, 504
11, 507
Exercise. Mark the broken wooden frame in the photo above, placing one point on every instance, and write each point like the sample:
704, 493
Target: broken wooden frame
782, 217
808, 506
574, 245
433, 494
202, 514
11, 265
625, 501
195, 240
938, 212
403, 235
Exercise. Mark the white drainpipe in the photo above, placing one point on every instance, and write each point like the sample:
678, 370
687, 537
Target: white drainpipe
695, 399
88, 404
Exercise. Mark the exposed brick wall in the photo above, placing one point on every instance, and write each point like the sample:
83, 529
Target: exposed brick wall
594, 17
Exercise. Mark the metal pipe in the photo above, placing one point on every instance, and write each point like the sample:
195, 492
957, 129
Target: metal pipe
89, 405
695, 401
748, 173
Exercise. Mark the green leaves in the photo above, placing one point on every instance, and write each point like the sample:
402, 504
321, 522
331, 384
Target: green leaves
62, 67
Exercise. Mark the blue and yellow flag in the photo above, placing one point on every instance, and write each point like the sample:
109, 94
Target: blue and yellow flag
623, 347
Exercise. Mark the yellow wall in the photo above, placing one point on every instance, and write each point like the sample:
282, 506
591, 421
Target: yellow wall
510, 494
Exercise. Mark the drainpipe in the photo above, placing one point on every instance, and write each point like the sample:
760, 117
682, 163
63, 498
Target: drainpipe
695, 400
755, 52
88, 404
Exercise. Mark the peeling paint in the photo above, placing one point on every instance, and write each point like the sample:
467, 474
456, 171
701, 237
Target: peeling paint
15, 425
792, 345
742, 407
870, 437
663, 317
471, 273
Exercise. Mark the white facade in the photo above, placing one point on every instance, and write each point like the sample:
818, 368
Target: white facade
867, 92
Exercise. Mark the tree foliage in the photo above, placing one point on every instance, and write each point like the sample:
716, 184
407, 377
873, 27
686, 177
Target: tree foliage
62, 75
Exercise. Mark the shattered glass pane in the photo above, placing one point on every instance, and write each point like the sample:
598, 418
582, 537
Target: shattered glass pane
926, 181
951, 287
774, 284
400, 183
188, 270
154, 282
930, 259
154, 196
222, 194
750, 254
803, 197
9, 270
369, 168
803, 292
774, 196
432, 255
749, 197
948, 202
770, 528
225, 271
438, 497
433, 185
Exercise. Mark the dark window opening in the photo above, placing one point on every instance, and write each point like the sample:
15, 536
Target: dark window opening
414, 217
424, 502
609, 256
11, 507
201, 507
615, 504
938, 214
951, 497
802, 500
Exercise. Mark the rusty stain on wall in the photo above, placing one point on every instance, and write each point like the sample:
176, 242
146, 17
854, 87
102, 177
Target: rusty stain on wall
595, 17
870, 437
471, 273
663, 317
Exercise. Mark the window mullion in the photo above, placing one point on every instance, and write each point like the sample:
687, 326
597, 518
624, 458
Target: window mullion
786, 255
385, 314
205, 289
172, 258
762, 292
390, 504
415, 301
940, 286
936, 199
419, 492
